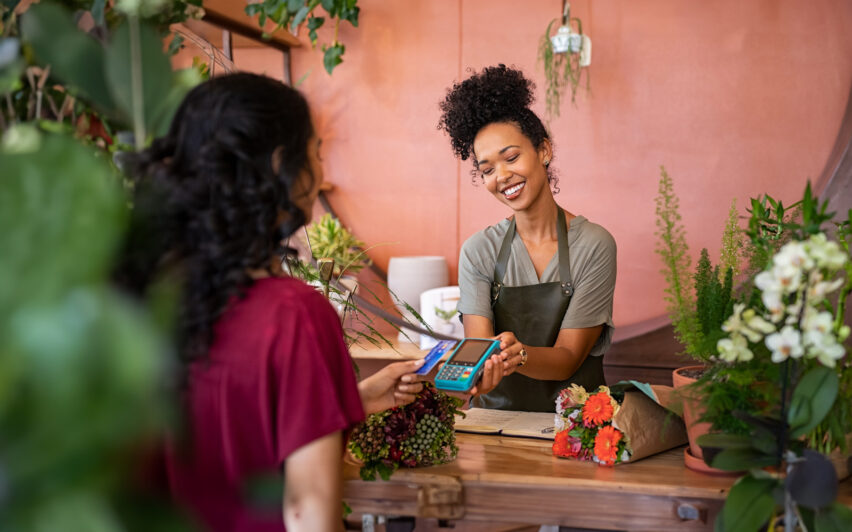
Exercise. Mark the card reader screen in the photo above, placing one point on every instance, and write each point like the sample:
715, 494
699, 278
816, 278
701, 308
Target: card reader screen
470, 352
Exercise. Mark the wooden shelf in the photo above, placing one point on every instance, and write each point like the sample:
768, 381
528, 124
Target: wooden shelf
231, 16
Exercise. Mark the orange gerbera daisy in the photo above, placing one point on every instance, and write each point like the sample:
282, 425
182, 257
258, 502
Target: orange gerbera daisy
561, 445
598, 409
606, 444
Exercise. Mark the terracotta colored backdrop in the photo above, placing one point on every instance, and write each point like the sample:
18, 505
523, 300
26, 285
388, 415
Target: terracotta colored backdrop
734, 98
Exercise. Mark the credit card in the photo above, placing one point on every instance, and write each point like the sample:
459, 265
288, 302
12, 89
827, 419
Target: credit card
434, 356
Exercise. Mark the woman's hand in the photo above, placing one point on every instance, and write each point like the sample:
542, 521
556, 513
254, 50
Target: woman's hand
492, 374
500, 365
394, 385
510, 352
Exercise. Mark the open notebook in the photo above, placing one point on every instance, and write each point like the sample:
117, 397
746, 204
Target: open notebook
508, 423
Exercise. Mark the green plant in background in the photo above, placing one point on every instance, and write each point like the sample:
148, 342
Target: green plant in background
329, 239
445, 315
293, 14
84, 371
789, 335
561, 69
698, 305
96, 105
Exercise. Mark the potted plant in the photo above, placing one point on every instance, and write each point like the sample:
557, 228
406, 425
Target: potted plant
563, 57
328, 239
789, 332
697, 303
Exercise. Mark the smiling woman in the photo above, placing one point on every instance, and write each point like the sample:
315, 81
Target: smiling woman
542, 280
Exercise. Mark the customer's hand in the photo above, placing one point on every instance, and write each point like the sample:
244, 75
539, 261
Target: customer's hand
394, 385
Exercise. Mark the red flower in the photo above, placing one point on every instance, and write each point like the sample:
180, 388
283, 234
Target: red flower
606, 444
566, 446
597, 410
561, 446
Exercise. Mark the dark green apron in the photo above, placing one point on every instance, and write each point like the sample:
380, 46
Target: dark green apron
534, 313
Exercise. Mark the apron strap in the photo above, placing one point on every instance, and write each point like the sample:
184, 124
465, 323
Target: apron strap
562, 253
502, 261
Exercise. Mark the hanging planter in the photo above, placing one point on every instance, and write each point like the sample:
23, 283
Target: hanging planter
564, 57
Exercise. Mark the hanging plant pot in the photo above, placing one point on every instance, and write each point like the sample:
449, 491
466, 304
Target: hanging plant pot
566, 41
563, 56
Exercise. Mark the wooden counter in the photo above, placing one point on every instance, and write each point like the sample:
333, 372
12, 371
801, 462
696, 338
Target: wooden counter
516, 480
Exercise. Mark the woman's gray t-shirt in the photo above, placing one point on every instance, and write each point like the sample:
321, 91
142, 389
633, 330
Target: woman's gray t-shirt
592, 257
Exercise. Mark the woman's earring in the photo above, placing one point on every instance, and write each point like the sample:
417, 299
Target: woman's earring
546, 163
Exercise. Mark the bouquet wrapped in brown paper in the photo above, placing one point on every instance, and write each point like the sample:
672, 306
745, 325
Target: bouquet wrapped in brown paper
612, 425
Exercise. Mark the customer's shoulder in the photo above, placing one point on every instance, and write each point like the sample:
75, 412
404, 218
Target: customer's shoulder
287, 292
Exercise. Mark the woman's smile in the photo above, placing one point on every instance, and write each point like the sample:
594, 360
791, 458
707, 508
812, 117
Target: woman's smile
513, 191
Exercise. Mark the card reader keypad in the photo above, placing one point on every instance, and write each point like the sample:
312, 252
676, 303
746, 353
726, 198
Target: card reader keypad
454, 373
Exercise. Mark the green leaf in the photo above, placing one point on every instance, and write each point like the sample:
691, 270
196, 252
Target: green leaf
74, 57
812, 400
62, 211
836, 518
332, 57
725, 441
155, 68
300, 16
739, 459
328, 5
749, 504
294, 5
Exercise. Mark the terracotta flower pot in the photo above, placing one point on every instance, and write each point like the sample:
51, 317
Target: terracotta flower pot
692, 412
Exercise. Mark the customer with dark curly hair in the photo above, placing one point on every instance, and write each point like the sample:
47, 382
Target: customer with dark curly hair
269, 384
541, 280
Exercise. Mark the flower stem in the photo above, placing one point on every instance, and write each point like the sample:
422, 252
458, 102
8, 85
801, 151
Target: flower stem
136, 88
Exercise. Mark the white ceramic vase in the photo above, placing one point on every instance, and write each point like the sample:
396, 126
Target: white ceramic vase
408, 277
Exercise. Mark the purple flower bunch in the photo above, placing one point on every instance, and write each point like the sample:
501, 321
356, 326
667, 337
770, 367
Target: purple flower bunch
417, 434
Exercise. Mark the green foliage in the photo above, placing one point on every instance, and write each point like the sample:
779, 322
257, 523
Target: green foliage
779, 425
561, 70
293, 14
713, 303
752, 504
330, 240
84, 372
81, 367
445, 315
732, 244
674, 251
725, 389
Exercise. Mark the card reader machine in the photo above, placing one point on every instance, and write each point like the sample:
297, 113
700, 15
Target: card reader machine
462, 370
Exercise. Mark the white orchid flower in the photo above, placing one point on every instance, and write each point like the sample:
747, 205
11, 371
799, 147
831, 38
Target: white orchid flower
787, 343
793, 255
774, 304
819, 290
756, 324
824, 347
767, 282
734, 348
788, 277
821, 322
734, 323
825, 253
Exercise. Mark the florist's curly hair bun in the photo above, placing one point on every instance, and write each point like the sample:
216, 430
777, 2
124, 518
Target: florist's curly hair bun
496, 94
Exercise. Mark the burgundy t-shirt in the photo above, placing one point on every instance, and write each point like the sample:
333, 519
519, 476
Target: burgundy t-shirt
277, 377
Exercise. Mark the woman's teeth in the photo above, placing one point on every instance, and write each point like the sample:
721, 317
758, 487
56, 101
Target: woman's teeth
511, 192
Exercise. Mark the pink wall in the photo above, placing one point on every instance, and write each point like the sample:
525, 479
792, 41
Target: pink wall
734, 98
